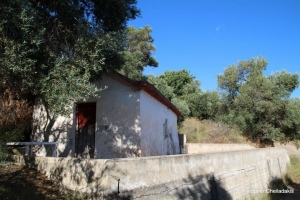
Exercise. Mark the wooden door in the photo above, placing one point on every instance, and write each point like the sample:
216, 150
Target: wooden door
85, 130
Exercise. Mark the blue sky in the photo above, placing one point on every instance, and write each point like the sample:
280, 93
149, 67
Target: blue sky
206, 36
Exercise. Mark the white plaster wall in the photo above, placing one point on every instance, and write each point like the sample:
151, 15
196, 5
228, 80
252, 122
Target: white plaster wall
153, 116
121, 113
118, 130
48, 129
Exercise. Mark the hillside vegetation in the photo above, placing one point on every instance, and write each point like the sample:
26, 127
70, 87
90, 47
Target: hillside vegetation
248, 102
208, 131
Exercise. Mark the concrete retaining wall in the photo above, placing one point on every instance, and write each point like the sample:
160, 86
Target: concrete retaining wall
221, 175
192, 148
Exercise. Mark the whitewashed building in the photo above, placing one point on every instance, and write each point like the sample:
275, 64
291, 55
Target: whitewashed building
128, 119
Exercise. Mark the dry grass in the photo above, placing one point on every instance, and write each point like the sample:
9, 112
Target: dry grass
208, 131
293, 174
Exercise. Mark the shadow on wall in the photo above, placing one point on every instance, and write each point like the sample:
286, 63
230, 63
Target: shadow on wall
201, 190
85, 173
43, 132
124, 135
118, 134
197, 187
169, 145
82, 173
120, 139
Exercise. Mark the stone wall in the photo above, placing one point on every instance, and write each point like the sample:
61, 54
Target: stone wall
222, 175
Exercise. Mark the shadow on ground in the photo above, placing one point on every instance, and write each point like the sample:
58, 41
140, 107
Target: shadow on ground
17, 182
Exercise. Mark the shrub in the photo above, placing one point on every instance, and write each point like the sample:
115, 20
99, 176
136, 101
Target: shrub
208, 131
15, 118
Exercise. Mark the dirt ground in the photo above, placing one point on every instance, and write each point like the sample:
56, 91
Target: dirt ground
22, 183
18, 183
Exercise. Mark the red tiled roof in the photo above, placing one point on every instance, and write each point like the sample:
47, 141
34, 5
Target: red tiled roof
150, 89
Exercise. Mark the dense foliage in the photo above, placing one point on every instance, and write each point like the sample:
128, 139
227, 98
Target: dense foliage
185, 93
55, 48
15, 116
137, 52
260, 105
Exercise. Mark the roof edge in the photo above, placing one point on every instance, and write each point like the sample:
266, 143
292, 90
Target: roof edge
150, 89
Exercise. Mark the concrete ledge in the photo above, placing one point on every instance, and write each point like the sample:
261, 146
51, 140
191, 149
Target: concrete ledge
192, 148
222, 175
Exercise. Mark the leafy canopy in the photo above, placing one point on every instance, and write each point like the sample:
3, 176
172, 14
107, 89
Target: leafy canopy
137, 52
162, 86
185, 93
178, 80
259, 104
54, 49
